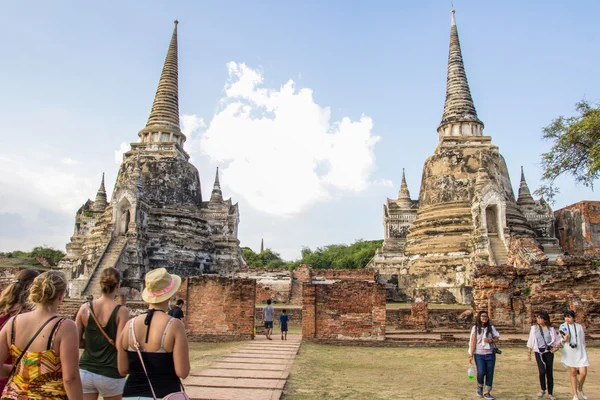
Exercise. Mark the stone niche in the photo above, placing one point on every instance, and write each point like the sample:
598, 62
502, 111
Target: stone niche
343, 310
512, 296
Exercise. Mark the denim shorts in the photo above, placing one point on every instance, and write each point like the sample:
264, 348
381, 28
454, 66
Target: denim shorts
268, 324
105, 386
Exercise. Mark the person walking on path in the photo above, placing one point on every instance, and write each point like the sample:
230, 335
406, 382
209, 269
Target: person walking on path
544, 341
574, 354
268, 312
177, 312
44, 346
161, 340
99, 323
283, 323
13, 301
481, 347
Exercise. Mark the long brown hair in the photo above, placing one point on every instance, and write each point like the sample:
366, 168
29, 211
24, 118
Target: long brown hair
16, 293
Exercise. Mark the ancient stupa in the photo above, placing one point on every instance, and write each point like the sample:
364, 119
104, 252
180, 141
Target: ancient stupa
466, 215
156, 216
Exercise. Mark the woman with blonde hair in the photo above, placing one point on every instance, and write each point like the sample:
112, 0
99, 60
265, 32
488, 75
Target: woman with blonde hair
13, 301
153, 348
99, 323
43, 345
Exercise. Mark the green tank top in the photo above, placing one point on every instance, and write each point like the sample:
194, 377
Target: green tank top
99, 356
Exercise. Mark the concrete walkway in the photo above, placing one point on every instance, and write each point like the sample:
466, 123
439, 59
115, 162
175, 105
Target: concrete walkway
256, 370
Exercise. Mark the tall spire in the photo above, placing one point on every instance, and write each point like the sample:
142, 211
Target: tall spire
262, 245
524, 193
403, 194
460, 117
100, 203
216, 196
163, 123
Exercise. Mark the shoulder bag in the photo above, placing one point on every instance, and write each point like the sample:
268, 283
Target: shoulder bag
93, 315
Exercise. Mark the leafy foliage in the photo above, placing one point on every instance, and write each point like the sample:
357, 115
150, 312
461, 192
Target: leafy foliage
49, 253
575, 149
340, 256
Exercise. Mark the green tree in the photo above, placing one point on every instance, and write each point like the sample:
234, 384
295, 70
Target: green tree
47, 252
341, 256
575, 149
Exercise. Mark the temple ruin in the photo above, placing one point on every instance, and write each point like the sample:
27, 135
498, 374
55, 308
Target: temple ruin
156, 216
466, 215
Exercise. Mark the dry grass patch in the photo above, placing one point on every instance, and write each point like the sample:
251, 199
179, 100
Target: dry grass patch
343, 372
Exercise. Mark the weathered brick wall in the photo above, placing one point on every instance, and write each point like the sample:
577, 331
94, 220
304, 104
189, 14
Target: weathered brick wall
273, 284
294, 314
512, 296
447, 318
578, 228
344, 310
219, 308
300, 276
346, 274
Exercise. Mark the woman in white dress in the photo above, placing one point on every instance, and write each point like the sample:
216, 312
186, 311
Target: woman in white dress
574, 354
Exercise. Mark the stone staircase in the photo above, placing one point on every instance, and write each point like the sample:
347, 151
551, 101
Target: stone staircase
109, 259
498, 249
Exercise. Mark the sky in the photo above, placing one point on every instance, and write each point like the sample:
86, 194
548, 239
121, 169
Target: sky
310, 109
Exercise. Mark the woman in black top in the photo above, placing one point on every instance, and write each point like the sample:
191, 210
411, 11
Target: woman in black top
162, 342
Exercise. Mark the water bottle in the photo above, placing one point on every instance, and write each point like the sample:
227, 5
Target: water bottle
471, 372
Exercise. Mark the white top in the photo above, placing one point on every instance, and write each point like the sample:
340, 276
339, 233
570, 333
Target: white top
482, 347
574, 357
536, 341
268, 313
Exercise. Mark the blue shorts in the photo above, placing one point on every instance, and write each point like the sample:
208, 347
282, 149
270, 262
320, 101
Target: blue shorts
268, 324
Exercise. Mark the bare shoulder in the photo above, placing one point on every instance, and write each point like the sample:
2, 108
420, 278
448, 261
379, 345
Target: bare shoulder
67, 326
123, 312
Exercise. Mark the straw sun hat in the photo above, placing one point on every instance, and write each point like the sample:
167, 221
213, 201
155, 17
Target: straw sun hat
160, 286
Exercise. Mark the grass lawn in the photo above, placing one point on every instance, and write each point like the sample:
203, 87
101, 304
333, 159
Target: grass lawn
339, 372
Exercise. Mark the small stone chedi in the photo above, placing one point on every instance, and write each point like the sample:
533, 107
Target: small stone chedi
466, 215
156, 216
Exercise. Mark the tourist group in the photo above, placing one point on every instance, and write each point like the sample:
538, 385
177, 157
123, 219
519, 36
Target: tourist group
41, 349
544, 341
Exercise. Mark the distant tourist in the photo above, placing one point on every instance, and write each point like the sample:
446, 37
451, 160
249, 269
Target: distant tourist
574, 354
51, 369
177, 312
268, 312
13, 301
99, 323
283, 322
161, 341
481, 347
544, 341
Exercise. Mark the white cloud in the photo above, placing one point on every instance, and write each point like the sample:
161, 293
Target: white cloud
39, 183
69, 161
123, 148
280, 150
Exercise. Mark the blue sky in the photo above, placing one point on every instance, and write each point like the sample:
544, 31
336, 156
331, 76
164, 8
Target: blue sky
78, 81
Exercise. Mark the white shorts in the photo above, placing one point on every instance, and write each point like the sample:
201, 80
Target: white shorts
105, 386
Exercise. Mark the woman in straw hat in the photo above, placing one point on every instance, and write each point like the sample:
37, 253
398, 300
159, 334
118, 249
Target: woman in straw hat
161, 340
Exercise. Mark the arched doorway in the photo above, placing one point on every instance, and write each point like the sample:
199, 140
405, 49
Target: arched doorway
123, 217
491, 218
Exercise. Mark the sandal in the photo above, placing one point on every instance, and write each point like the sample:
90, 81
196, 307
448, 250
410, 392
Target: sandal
541, 394
551, 397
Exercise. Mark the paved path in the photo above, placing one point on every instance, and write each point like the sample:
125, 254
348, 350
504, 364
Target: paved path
256, 370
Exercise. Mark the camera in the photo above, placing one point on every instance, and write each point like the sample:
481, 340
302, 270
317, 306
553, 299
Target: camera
497, 350
573, 345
